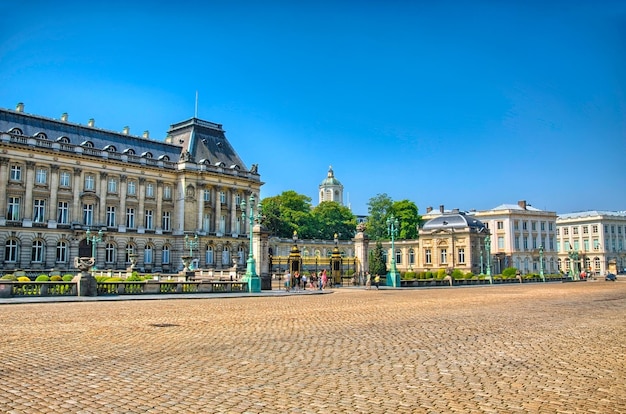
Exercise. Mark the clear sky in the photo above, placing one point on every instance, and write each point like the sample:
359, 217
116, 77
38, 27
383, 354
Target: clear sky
468, 104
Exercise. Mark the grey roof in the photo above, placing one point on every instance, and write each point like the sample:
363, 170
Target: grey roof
591, 213
514, 207
77, 134
206, 141
456, 220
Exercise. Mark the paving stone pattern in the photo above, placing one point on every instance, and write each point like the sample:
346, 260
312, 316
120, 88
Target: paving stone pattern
535, 348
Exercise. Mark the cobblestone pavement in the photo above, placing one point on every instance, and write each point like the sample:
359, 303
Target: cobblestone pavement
551, 348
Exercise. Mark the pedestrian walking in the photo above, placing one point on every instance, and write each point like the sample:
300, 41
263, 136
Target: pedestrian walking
377, 281
304, 278
368, 281
324, 279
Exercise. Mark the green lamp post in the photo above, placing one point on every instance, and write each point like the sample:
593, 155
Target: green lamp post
94, 240
543, 276
254, 281
393, 277
488, 251
191, 243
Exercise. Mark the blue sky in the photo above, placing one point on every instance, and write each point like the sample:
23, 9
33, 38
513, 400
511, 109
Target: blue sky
465, 104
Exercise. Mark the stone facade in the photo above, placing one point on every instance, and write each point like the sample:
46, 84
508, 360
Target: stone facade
599, 238
62, 179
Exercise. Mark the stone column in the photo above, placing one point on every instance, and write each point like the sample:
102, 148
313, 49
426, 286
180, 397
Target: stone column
200, 190
101, 217
361, 245
76, 212
28, 195
159, 208
4, 178
141, 213
233, 211
178, 224
54, 189
218, 210
122, 213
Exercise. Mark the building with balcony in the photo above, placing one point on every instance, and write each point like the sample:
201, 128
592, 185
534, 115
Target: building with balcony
599, 238
60, 179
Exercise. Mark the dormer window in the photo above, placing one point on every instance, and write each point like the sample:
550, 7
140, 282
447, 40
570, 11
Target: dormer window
15, 131
220, 164
146, 154
235, 167
129, 151
110, 148
41, 135
204, 161
63, 140
164, 158
87, 144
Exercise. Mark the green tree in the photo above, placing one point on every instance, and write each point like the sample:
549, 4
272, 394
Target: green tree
378, 209
329, 218
406, 213
288, 212
377, 261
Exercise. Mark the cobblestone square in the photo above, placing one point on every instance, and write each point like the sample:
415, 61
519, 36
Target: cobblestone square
529, 348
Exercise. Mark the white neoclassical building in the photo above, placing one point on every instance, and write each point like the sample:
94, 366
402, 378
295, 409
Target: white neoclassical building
599, 238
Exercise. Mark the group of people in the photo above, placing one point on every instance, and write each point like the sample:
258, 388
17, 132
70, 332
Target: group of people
368, 281
298, 282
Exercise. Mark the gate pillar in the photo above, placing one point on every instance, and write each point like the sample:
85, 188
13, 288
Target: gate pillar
336, 263
295, 260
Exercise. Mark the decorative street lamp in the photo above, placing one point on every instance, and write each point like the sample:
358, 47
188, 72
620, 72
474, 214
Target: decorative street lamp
191, 243
543, 277
482, 268
94, 240
488, 251
254, 282
393, 277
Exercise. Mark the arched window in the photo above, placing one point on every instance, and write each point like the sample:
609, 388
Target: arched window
129, 151
208, 255
398, 256
87, 144
596, 264
62, 252
164, 158
63, 140
411, 257
41, 135
110, 148
11, 251
147, 154
130, 249
147, 255
165, 255
226, 256
241, 255
559, 264
15, 131
38, 251
110, 253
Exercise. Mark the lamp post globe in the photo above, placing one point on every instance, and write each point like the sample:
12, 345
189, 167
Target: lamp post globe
393, 277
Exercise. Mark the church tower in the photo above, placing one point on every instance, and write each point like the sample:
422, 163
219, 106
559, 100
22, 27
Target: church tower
331, 189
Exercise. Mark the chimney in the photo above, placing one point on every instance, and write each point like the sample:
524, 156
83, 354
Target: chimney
126, 130
19, 107
429, 209
522, 204
91, 122
146, 134
64, 117
441, 210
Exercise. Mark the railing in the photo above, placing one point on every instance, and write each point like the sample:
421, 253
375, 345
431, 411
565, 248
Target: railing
29, 289
169, 287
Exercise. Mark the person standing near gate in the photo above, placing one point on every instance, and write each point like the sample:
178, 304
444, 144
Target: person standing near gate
287, 280
368, 281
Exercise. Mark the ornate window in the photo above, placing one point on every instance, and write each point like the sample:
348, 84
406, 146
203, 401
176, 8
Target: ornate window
165, 255
37, 252
62, 254
11, 251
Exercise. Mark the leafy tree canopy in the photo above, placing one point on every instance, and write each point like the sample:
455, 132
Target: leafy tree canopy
330, 218
382, 207
288, 212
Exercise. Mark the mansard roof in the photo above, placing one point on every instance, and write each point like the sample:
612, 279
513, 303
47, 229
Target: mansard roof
205, 141
454, 219
77, 134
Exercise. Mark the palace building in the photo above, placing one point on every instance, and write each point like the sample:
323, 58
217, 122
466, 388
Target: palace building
60, 179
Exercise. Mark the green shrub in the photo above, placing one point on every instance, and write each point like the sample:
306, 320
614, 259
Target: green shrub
409, 276
469, 275
441, 273
9, 276
23, 279
100, 279
134, 277
68, 277
113, 279
428, 275
509, 271
56, 278
42, 278
457, 274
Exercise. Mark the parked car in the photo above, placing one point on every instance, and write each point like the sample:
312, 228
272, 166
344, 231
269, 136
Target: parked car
610, 276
